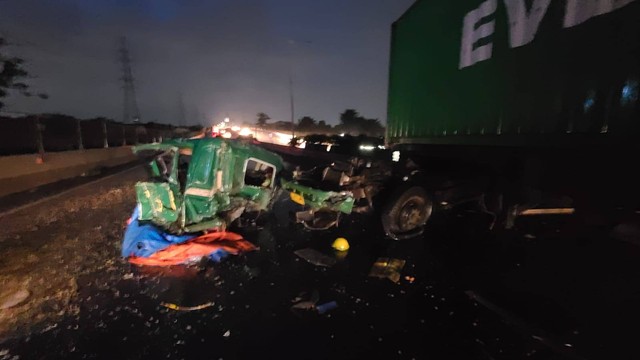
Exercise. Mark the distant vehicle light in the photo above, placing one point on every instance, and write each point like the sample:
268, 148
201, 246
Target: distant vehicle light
367, 147
342, 134
245, 132
381, 147
226, 135
283, 139
395, 156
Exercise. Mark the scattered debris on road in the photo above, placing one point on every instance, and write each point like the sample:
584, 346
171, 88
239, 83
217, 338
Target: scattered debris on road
10, 300
324, 308
340, 244
301, 304
558, 211
387, 268
187, 308
315, 257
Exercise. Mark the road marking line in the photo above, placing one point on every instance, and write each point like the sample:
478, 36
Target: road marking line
47, 198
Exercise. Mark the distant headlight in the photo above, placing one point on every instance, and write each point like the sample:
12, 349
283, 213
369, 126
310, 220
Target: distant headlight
395, 156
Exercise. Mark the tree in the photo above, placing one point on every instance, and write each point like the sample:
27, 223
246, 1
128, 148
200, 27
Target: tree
12, 73
351, 122
323, 127
350, 119
307, 123
262, 119
373, 127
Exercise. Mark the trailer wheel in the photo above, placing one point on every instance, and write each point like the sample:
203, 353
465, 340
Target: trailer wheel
406, 214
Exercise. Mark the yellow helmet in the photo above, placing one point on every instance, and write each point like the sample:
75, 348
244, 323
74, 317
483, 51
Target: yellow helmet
341, 244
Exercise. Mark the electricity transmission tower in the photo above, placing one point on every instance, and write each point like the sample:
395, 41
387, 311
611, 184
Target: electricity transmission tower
130, 111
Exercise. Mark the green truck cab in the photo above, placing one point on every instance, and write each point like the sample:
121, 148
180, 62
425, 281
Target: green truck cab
205, 184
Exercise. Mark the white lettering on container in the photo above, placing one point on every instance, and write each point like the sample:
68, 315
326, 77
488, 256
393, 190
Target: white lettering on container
579, 11
523, 24
471, 33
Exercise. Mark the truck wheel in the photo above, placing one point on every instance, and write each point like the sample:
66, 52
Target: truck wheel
406, 214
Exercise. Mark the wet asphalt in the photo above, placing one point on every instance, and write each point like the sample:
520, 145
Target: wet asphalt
253, 297
464, 293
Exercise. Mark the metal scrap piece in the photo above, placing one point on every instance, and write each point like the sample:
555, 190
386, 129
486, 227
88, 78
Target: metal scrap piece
315, 257
387, 268
187, 308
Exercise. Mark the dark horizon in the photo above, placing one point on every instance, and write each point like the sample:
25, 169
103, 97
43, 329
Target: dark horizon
227, 58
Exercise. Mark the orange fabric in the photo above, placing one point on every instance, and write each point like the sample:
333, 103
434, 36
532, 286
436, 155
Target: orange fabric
198, 247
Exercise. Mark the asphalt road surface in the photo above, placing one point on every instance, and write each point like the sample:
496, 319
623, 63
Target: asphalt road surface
555, 288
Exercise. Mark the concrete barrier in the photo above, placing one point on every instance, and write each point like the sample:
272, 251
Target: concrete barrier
22, 172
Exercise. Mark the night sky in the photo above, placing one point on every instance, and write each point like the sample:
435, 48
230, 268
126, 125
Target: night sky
225, 56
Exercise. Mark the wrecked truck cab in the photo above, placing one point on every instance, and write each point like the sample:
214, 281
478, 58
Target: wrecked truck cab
327, 192
205, 184
322, 208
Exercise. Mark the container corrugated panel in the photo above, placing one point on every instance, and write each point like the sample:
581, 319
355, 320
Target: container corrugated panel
515, 72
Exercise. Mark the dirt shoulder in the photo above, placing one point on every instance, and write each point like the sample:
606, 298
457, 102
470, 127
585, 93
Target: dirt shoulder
46, 248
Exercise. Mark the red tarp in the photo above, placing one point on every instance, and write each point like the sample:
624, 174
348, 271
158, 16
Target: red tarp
201, 246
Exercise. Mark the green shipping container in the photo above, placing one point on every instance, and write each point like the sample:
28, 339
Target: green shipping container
515, 72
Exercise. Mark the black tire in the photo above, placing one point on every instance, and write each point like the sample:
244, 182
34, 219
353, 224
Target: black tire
406, 213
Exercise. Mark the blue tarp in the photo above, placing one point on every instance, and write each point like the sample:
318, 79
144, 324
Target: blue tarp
143, 240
